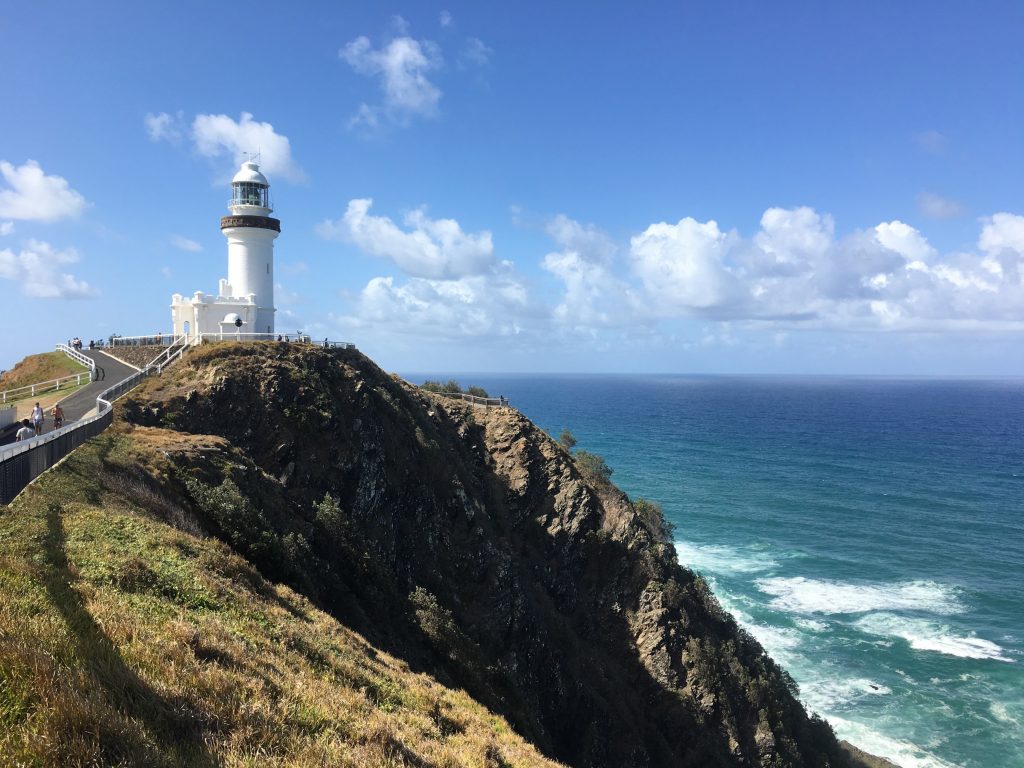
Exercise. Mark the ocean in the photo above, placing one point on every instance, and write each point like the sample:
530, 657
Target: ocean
869, 532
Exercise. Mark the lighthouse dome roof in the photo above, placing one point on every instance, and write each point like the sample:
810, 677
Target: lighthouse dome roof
250, 172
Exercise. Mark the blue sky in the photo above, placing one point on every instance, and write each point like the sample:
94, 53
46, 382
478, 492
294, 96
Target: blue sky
666, 187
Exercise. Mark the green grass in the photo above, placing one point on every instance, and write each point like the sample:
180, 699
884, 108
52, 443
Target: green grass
126, 641
36, 369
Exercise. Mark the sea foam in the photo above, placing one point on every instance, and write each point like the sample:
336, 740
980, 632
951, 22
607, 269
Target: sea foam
802, 595
904, 753
721, 559
924, 635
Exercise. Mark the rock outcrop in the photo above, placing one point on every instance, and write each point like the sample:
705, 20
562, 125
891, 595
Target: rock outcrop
466, 542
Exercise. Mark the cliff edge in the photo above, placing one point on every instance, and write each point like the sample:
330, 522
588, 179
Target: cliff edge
461, 545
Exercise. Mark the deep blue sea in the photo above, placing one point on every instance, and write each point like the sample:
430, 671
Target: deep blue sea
868, 531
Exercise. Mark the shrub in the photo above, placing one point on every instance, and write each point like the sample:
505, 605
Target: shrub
653, 516
567, 440
452, 387
593, 468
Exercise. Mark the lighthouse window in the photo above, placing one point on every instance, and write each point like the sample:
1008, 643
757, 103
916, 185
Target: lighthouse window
268, 269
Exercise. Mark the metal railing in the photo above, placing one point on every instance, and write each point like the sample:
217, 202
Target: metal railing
294, 338
154, 339
31, 390
78, 357
173, 352
487, 402
23, 462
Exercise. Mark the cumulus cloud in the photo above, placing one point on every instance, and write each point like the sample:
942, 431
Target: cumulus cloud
429, 248
490, 305
185, 244
38, 268
220, 135
402, 66
935, 207
445, 19
683, 266
794, 272
455, 285
33, 195
594, 296
6, 228
165, 126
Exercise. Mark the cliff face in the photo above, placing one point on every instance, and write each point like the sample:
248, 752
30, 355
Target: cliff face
467, 543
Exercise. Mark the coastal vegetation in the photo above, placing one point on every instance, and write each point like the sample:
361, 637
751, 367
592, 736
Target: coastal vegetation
453, 387
280, 555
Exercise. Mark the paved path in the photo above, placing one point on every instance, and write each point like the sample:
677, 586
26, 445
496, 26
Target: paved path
108, 372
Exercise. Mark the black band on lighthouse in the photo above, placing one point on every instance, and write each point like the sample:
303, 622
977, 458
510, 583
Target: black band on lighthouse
258, 222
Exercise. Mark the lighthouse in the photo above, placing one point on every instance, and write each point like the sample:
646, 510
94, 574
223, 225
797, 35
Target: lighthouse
244, 303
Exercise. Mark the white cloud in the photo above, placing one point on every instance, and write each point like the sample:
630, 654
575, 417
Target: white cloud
220, 135
935, 207
293, 268
494, 305
6, 228
38, 268
1000, 232
431, 248
165, 127
682, 265
185, 244
905, 240
593, 295
445, 19
32, 195
475, 52
402, 66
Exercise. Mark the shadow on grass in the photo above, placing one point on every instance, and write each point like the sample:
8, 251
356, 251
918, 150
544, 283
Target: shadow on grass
173, 725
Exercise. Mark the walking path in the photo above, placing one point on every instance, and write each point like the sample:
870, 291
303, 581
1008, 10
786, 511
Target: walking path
109, 371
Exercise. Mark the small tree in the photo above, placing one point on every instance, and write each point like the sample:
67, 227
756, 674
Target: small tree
567, 440
477, 392
593, 468
653, 516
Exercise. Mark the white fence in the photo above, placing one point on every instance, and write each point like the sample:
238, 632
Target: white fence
31, 390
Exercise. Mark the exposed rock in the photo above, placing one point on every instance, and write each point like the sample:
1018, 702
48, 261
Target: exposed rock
466, 541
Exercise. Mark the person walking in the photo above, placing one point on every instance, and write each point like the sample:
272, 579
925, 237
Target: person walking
58, 416
37, 418
26, 432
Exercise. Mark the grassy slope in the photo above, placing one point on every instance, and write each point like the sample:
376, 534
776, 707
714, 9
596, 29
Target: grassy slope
36, 369
126, 641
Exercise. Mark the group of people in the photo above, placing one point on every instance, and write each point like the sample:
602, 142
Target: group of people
34, 427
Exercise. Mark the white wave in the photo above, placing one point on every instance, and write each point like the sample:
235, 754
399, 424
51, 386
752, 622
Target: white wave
718, 558
834, 694
903, 753
924, 635
1001, 713
812, 625
802, 595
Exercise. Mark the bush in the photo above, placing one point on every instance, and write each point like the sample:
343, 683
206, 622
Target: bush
653, 516
452, 387
567, 440
593, 468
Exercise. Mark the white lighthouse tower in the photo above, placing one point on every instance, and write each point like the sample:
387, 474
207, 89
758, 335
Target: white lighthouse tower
245, 300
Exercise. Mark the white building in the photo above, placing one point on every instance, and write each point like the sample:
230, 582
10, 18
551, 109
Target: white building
245, 300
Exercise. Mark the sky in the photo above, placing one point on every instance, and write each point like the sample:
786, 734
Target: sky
714, 187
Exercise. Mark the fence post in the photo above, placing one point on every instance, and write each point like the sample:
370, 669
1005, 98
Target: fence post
33, 390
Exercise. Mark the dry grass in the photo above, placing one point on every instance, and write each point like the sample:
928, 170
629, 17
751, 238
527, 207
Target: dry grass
127, 641
36, 369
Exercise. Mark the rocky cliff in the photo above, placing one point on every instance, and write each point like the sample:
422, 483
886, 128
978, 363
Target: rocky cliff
466, 543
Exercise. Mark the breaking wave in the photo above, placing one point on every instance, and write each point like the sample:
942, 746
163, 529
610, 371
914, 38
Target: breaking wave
802, 595
924, 635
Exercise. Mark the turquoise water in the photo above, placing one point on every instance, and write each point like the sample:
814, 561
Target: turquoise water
869, 532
